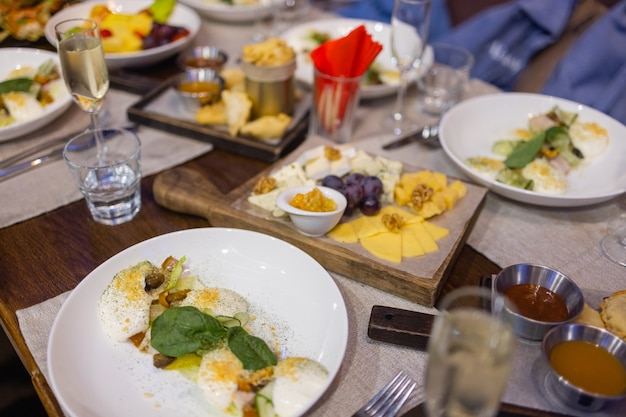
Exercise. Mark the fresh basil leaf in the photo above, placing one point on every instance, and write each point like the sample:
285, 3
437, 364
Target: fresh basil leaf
16, 84
252, 351
182, 330
523, 154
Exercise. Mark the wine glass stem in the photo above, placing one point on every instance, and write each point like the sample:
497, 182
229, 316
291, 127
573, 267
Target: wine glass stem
399, 109
95, 123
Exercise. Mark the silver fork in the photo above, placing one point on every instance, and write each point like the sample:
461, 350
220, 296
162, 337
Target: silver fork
390, 399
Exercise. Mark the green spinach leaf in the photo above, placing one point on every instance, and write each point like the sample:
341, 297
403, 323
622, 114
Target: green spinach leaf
525, 152
16, 84
252, 351
181, 330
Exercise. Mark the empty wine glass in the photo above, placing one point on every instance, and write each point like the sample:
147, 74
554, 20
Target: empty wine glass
613, 245
410, 22
83, 66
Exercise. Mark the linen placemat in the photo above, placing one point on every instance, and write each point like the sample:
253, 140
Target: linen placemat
50, 186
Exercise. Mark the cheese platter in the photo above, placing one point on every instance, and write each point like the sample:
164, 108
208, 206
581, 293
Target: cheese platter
418, 278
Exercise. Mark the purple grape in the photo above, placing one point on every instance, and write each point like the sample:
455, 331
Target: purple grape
333, 181
354, 178
372, 186
150, 42
355, 194
370, 206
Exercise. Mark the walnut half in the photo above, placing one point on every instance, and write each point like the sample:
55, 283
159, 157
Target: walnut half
421, 194
264, 185
393, 222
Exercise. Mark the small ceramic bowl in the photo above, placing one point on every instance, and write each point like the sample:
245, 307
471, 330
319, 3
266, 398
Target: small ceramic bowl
198, 87
202, 57
550, 279
312, 223
569, 393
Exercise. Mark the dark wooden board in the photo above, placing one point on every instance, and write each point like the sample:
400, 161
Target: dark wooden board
240, 145
187, 191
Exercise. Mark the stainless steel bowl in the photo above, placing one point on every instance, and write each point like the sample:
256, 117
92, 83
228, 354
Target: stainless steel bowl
548, 278
207, 57
570, 394
195, 95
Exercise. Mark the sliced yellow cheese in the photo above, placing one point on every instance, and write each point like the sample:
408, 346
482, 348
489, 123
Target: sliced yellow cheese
459, 187
366, 226
411, 246
436, 232
344, 233
437, 181
428, 243
387, 246
429, 209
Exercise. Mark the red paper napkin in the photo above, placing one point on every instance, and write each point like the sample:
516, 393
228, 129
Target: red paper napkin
349, 56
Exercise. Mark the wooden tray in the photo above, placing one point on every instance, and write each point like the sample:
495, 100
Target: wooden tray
171, 120
417, 279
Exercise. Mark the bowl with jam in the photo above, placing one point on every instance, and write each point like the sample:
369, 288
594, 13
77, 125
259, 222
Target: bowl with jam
587, 366
544, 298
313, 210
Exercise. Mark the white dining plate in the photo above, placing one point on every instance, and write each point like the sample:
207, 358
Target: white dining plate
225, 12
94, 376
181, 16
15, 58
471, 127
299, 38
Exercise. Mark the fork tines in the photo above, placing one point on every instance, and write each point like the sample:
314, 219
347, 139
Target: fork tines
390, 399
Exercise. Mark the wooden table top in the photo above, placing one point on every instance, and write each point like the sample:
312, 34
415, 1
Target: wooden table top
50, 254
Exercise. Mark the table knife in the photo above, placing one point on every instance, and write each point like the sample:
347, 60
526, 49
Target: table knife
52, 155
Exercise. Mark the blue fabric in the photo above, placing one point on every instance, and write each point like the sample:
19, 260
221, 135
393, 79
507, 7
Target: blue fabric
380, 10
593, 71
504, 38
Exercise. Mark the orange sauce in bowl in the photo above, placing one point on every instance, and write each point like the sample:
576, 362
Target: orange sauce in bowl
199, 87
314, 200
537, 302
590, 367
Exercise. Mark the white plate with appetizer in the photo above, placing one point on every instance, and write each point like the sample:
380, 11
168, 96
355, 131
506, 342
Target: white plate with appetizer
182, 27
27, 107
237, 12
383, 77
291, 303
537, 149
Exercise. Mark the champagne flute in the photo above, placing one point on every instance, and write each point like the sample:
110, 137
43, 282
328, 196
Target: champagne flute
470, 353
83, 66
410, 21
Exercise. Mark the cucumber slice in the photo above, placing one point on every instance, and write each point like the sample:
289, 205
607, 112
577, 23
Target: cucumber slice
263, 401
565, 117
514, 178
505, 147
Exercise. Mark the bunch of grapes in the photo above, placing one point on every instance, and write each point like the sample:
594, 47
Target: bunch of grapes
163, 34
362, 192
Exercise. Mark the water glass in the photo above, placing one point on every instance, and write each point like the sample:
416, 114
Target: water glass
470, 351
109, 175
335, 100
443, 84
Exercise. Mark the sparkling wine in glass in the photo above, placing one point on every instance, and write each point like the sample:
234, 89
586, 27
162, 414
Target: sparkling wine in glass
410, 22
470, 353
614, 245
83, 66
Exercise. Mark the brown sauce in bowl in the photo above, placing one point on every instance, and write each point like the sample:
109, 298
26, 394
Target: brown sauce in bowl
201, 62
537, 302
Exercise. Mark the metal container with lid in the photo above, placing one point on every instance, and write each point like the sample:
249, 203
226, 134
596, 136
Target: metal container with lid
270, 88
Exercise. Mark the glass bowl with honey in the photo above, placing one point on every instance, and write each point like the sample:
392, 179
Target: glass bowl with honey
198, 87
544, 298
587, 366
313, 210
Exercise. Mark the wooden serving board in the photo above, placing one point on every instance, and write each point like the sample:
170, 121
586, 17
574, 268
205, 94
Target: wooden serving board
417, 279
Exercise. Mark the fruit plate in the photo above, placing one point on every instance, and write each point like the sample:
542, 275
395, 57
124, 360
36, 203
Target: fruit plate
470, 129
14, 58
181, 16
282, 285
418, 279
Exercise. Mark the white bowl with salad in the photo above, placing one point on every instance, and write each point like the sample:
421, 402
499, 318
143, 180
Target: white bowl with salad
180, 27
537, 149
32, 91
